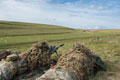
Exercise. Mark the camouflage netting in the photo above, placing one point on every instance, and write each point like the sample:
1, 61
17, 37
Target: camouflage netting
15, 64
37, 56
77, 64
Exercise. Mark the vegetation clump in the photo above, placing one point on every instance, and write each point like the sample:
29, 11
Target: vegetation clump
76, 64
37, 56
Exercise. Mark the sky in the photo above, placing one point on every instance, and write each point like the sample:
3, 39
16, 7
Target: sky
78, 14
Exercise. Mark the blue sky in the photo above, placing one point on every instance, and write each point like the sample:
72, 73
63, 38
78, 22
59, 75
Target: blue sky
83, 14
63, 1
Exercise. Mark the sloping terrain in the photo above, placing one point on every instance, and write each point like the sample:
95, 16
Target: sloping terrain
105, 43
14, 33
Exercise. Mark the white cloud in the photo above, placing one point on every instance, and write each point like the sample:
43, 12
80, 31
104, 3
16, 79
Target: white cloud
41, 11
92, 6
100, 8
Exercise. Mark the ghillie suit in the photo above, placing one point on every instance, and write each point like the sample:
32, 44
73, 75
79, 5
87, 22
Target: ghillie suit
76, 64
14, 64
37, 56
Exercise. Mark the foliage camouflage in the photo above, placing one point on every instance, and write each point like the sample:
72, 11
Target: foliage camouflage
34, 58
37, 56
76, 64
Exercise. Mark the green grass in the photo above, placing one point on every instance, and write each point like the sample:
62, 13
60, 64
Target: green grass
17, 36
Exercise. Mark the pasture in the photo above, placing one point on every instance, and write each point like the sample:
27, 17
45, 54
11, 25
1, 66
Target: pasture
18, 36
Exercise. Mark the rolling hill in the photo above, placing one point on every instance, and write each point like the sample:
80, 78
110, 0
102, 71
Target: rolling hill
19, 36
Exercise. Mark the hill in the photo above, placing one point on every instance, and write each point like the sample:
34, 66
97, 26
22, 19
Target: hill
16, 33
105, 43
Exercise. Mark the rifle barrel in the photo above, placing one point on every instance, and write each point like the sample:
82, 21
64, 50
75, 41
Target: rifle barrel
61, 45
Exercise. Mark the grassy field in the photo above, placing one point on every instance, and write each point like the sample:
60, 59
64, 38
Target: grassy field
105, 43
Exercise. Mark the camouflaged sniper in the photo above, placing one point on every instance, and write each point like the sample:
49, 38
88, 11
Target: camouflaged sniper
76, 64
